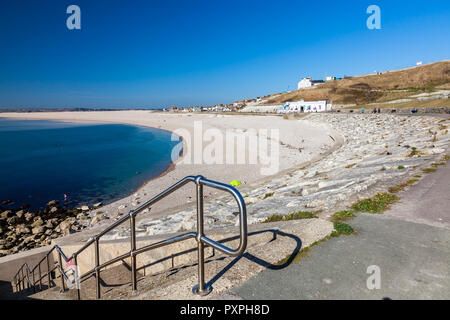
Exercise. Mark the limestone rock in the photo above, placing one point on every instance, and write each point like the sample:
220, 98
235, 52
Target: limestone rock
38, 230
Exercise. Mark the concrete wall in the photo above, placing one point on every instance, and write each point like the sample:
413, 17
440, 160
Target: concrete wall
9, 265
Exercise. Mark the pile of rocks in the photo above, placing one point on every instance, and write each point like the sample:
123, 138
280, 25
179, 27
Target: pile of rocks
21, 229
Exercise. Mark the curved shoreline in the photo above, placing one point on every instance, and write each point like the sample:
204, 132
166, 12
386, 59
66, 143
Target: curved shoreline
170, 167
289, 159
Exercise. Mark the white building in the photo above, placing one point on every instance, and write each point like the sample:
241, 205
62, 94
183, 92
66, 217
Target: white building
305, 107
330, 79
308, 82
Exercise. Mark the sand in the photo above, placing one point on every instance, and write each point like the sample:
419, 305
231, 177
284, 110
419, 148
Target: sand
300, 141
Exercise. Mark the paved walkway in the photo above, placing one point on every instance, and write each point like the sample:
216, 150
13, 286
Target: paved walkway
410, 243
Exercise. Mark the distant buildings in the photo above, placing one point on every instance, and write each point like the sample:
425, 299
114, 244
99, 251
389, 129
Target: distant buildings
308, 83
305, 107
330, 79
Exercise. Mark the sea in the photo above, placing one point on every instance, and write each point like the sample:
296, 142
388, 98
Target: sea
78, 163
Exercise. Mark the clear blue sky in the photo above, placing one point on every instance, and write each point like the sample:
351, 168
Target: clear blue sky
154, 53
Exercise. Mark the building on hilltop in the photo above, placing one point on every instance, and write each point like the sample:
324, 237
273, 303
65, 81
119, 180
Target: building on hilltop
308, 82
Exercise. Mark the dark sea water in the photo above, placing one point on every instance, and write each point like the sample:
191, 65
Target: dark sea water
41, 160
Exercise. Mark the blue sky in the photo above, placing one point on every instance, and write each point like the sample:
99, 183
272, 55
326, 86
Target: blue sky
155, 53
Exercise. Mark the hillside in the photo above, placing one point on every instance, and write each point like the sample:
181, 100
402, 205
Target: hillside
377, 88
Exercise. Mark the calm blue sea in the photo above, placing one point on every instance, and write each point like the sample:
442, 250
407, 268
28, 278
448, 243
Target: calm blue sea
42, 160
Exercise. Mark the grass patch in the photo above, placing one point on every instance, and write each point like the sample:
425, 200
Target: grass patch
446, 157
341, 228
429, 170
412, 181
401, 168
293, 216
350, 165
377, 204
435, 165
268, 195
418, 176
343, 215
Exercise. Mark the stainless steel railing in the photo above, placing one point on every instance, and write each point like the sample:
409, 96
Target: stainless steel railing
201, 288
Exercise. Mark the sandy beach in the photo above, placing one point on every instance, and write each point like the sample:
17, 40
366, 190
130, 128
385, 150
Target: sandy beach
299, 142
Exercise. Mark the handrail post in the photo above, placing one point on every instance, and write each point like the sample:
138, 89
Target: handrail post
22, 279
201, 289
63, 287
133, 248
40, 277
48, 272
97, 264
79, 285
34, 283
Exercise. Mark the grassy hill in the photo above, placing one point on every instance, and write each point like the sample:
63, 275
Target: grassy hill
378, 88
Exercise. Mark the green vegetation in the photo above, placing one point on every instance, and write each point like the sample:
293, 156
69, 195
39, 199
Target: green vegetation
446, 157
293, 216
412, 181
342, 229
429, 170
268, 195
401, 167
418, 176
435, 165
379, 203
343, 215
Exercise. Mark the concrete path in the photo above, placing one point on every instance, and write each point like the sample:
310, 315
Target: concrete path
410, 244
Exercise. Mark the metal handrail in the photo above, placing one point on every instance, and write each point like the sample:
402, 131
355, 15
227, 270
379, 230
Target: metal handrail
199, 236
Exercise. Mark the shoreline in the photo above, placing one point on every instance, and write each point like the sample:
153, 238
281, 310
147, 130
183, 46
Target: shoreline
79, 204
175, 172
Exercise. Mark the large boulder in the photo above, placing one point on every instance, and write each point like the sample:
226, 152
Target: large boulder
54, 210
65, 225
6, 214
29, 216
20, 214
52, 203
12, 220
37, 222
22, 229
38, 230
98, 218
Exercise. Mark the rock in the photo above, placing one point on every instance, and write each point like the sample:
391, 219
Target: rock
29, 216
54, 210
84, 208
65, 225
19, 214
22, 229
12, 221
48, 232
97, 219
49, 224
97, 205
52, 203
6, 214
122, 207
38, 230
37, 222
